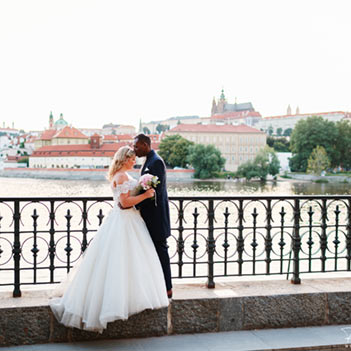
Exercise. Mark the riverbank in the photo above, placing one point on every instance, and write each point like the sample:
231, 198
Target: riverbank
319, 179
83, 174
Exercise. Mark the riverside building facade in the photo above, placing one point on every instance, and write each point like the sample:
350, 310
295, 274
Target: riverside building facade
289, 120
237, 144
96, 154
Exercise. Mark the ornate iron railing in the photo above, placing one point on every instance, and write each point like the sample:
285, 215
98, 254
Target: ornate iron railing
42, 238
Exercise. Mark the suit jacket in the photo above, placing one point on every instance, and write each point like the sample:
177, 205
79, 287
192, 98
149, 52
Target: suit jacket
156, 215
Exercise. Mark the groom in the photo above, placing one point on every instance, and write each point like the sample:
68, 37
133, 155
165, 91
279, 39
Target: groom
156, 213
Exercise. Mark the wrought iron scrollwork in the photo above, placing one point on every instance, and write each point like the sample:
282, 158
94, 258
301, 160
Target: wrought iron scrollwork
42, 238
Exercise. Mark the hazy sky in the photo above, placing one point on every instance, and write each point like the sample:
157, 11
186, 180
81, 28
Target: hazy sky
102, 61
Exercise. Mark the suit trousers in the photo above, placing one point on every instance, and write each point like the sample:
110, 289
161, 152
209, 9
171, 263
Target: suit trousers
162, 252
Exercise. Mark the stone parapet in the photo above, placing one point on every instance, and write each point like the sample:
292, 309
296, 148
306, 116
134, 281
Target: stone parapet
195, 309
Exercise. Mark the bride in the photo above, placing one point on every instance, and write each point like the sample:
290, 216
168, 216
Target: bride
120, 273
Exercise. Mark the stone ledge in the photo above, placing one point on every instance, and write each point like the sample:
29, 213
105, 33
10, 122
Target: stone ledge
195, 309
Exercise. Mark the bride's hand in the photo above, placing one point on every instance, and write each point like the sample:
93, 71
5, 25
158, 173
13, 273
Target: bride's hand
149, 193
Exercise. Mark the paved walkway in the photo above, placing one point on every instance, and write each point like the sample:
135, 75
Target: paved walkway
309, 338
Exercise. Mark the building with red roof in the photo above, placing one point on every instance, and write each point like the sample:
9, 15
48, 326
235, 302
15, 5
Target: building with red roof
65, 136
93, 155
69, 135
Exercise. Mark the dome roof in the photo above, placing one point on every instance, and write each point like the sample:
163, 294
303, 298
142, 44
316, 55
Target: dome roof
60, 123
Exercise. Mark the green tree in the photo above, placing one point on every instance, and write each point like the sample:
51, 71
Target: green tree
266, 162
278, 144
174, 149
280, 147
343, 144
279, 131
270, 130
287, 132
206, 160
318, 161
146, 130
24, 160
307, 135
162, 128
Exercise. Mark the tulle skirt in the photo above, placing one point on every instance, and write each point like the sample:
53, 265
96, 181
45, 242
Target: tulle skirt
119, 275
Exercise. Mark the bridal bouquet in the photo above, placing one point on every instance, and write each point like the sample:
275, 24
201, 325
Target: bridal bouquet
148, 181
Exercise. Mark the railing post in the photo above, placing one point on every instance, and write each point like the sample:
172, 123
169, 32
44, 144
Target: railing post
210, 246
195, 246
226, 244
17, 249
52, 245
348, 237
268, 238
35, 249
324, 241
180, 241
296, 243
240, 240
85, 229
68, 248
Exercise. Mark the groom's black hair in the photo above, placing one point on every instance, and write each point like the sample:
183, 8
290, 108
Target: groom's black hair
143, 138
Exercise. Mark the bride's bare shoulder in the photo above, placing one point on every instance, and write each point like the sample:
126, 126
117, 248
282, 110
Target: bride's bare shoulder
119, 178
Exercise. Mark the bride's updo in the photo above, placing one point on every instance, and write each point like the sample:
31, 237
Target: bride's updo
119, 159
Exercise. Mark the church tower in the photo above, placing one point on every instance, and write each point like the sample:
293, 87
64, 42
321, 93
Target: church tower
214, 107
288, 112
51, 121
221, 103
297, 110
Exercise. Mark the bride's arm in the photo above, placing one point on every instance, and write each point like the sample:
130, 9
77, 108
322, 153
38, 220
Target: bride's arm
127, 200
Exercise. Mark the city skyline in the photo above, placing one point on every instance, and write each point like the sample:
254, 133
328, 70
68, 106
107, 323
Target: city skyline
105, 61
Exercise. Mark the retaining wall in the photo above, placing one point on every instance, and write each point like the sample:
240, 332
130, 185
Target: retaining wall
195, 309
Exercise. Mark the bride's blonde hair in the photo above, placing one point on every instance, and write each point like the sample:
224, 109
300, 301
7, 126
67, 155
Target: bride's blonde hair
119, 159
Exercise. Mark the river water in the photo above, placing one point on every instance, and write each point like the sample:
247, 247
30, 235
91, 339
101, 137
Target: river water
26, 187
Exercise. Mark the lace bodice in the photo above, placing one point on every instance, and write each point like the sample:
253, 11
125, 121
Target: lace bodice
118, 189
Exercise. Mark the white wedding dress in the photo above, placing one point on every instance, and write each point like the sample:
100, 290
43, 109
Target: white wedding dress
119, 275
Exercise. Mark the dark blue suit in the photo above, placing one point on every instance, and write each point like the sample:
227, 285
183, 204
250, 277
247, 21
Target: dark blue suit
156, 213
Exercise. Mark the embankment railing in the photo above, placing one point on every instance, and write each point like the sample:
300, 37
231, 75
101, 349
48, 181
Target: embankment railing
42, 238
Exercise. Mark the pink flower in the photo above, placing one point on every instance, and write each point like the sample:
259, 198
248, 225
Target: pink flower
148, 181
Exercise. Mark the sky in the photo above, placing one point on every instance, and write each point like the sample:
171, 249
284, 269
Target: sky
111, 61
